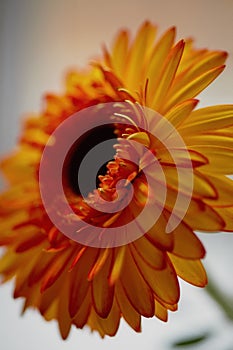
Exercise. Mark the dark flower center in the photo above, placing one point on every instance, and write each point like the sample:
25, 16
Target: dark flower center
79, 151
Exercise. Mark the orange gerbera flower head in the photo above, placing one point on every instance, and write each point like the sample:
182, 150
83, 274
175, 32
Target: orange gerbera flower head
110, 181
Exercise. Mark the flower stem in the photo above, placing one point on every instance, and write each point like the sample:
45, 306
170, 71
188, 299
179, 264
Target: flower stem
222, 300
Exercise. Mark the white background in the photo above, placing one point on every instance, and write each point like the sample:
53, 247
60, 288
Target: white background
39, 41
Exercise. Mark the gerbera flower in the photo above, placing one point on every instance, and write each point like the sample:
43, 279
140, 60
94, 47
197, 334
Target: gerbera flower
147, 89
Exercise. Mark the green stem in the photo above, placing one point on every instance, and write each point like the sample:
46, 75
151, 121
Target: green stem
222, 300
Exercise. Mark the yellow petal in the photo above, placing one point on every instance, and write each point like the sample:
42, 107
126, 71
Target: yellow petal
19, 197
120, 52
177, 115
198, 215
224, 188
186, 243
136, 60
182, 158
203, 62
191, 89
201, 188
141, 137
192, 271
227, 215
191, 55
24, 160
157, 59
167, 75
35, 136
207, 119
220, 159
201, 216
213, 139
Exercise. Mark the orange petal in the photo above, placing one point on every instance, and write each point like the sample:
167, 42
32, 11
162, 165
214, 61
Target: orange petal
64, 320
48, 301
186, 243
32, 300
131, 316
110, 324
119, 254
30, 243
102, 292
171, 307
111, 78
94, 324
83, 313
51, 312
136, 289
150, 253
23, 270
158, 236
55, 269
160, 311
163, 282
80, 284
104, 255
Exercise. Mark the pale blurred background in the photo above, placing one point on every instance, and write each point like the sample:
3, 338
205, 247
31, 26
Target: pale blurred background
39, 41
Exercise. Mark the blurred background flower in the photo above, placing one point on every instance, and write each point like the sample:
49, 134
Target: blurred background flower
41, 39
